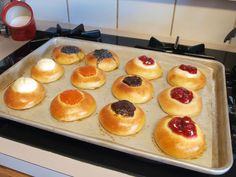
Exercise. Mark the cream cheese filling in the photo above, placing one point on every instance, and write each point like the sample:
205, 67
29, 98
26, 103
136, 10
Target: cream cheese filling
46, 64
25, 85
186, 73
140, 63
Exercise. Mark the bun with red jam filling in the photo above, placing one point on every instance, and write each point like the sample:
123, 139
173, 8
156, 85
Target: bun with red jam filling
144, 66
180, 137
180, 101
103, 59
72, 105
67, 54
186, 76
88, 77
134, 88
122, 118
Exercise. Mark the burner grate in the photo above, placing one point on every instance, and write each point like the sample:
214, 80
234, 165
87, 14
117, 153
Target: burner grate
176, 48
78, 32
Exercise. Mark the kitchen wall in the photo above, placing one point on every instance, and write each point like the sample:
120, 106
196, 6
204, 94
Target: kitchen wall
197, 20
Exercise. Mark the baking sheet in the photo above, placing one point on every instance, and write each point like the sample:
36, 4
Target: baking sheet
213, 119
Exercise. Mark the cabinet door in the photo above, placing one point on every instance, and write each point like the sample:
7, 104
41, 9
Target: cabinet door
99, 13
205, 21
53, 10
146, 16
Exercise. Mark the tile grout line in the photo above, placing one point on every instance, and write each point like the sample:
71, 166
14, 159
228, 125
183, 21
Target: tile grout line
173, 17
117, 14
68, 11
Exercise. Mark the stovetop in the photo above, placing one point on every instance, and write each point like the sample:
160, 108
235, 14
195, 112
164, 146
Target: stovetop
99, 155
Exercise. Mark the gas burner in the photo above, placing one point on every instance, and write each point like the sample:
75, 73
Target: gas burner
78, 33
176, 48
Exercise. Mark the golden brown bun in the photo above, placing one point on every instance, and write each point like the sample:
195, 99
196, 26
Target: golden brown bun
121, 125
72, 105
88, 77
174, 107
177, 78
133, 68
23, 100
178, 146
67, 58
106, 64
47, 76
139, 94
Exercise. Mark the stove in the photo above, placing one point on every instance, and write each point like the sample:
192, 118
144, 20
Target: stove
101, 156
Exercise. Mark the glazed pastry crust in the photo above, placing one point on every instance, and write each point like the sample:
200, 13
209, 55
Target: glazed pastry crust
149, 73
173, 107
140, 94
107, 64
176, 145
88, 82
47, 76
174, 78
66, 59
120, 125
66, 112
19, 101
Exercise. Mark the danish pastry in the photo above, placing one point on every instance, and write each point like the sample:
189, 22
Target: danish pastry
104, 59
24, 93
180, 137
180, 101
88, 77
133, 88
122, 118
72, 105
186, 76
144, 66
46, 71
67, 54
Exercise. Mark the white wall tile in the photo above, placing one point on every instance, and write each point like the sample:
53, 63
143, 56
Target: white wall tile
100, 13
146, 16
50, 10
204, 20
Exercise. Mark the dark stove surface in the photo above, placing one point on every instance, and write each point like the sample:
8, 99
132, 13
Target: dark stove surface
102, 156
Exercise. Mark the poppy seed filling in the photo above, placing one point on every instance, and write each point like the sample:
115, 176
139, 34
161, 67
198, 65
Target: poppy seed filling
70, 49
102, 54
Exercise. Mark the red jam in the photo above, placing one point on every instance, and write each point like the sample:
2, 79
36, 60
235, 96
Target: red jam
146, 60
189, 68
183, 126
181, 94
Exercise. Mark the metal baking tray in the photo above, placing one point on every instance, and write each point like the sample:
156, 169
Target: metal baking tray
214, 121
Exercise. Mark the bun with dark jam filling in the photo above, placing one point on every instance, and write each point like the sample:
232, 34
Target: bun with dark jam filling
122, 118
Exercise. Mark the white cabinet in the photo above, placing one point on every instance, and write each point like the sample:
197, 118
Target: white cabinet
206, 21
53, 10
146, 16
99, 13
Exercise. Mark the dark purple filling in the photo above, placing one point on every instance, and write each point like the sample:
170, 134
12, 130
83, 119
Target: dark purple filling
102, 54
124, 108
133, 81
70, 49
